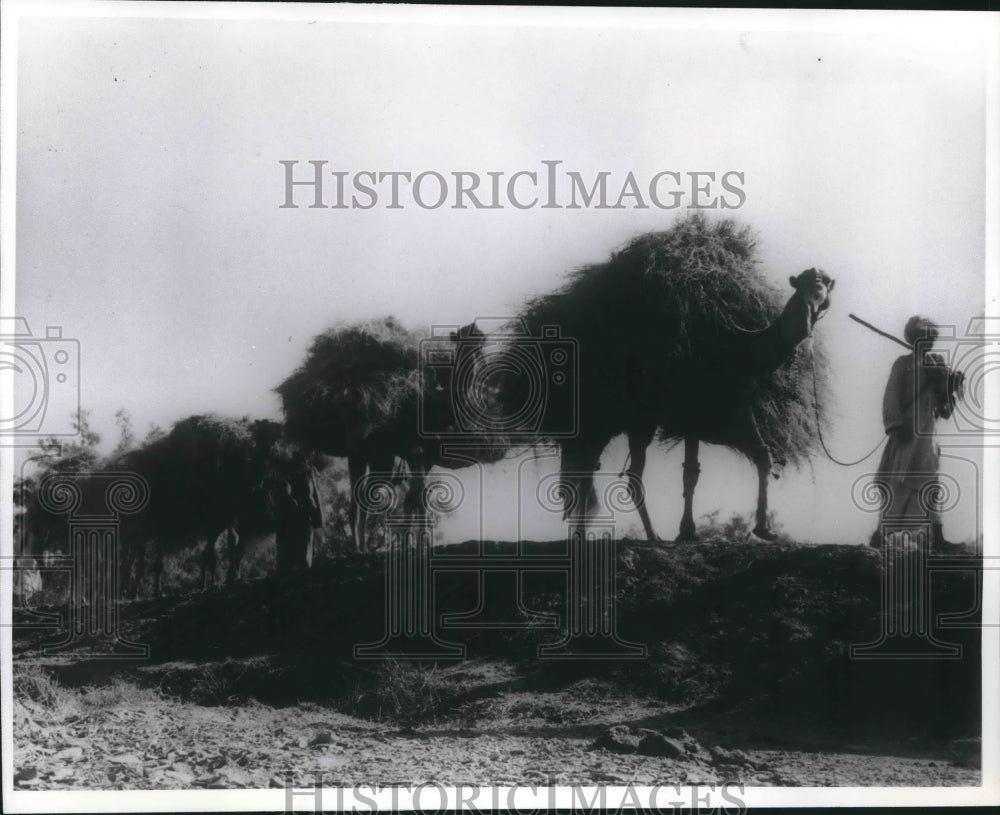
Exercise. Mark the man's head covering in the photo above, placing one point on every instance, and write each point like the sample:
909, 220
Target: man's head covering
919, 327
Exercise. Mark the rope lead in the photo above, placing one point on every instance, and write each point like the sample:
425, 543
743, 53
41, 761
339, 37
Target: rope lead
819, 424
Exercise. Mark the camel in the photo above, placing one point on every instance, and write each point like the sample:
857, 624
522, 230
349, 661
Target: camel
368, 465
456, 428
363, 393
707, 416
664, 353
207, 481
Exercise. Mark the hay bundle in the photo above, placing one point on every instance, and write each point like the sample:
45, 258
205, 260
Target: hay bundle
655, 319
208, 470
205, 449
785, 408
664, 293
355, 379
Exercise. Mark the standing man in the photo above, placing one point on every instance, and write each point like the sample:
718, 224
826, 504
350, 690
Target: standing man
300, 510
921, 389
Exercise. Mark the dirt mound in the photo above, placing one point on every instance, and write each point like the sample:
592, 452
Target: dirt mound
762, 632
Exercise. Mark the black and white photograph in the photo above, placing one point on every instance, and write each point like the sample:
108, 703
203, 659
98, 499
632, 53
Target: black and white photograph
464, 408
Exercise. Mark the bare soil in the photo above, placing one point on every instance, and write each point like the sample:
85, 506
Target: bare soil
747, 678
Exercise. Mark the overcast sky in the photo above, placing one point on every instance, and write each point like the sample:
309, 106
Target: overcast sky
149, 188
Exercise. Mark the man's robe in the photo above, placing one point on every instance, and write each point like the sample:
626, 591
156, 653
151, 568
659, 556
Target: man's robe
915, 396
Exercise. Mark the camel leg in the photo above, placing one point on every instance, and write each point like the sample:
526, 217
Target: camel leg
208, 563
157, 572
304, 548
127, 559
384, 465
414, 503
579, 463
135, 565
762, 458
356, 468
296, 538
692, 469
746, 437
761, 455
281, 546
234, 548
637, 446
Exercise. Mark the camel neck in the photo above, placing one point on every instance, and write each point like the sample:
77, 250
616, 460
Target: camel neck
775, 344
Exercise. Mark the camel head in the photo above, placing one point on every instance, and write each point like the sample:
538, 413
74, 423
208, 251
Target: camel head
812, 288
469, 334
469, 342
266, 435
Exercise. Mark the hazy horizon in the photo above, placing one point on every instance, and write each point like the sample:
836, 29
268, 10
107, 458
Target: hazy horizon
150, 185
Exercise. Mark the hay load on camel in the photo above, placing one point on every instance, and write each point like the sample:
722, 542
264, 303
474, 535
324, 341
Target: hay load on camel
353, 381
682, 337
202, 460
207, 476
362, 393
206, 448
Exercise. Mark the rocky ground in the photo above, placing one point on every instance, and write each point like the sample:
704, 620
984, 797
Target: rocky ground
134, 738
744, 681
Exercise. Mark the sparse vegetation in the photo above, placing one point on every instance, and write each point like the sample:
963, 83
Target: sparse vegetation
738, 529
403, 691
32, 683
